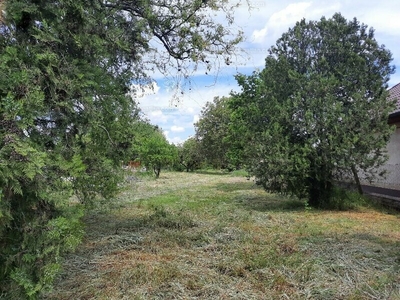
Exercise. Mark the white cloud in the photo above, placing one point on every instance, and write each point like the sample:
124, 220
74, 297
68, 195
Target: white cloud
259, 35
282, 20
157, 117
177, 118
385, 20
196, 118
262, 27
285, 17
186, 110
177, 129
174, 139
166, 133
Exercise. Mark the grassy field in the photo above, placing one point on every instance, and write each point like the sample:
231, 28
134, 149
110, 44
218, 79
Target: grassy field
217, 236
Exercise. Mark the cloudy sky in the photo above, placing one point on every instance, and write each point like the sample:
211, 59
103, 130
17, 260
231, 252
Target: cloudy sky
262, 26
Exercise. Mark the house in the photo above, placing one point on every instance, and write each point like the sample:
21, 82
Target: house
392, 166
394, 119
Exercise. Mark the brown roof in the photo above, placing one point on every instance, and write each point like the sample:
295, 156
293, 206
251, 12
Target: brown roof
394, 93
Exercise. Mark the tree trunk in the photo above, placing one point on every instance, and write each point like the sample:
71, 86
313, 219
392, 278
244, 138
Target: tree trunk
157, 170
357, 179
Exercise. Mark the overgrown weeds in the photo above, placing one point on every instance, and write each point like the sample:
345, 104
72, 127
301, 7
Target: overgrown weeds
207, 236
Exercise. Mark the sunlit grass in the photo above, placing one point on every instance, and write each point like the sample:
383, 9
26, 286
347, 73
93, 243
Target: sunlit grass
207, 236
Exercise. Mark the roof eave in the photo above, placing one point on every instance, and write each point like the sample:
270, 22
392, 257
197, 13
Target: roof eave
394, 118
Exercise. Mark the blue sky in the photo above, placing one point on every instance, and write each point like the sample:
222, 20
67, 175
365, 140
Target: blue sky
262, 26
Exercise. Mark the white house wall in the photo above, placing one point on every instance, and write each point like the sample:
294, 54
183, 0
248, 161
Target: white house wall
392, 167
393, 148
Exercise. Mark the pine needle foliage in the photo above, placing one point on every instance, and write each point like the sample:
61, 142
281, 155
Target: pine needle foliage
66, 121
318, 111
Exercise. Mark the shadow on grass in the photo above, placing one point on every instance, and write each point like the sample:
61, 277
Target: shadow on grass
253, 197
236, 186
211, 172
377, 252
269, 202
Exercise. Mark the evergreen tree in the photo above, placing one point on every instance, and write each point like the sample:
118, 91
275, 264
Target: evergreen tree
66, 120
318, 110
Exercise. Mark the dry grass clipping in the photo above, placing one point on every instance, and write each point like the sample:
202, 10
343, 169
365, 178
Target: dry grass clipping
198, 236
2, 12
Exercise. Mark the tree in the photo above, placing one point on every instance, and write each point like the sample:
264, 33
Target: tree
189, 154
155, 152
318, 110
140, 131
66, 121
212, 131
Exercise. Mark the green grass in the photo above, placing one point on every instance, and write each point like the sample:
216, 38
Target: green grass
207, 236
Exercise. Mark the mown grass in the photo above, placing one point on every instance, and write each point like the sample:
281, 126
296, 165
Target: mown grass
207, 236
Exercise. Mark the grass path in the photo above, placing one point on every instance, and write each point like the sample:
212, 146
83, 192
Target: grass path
213, 236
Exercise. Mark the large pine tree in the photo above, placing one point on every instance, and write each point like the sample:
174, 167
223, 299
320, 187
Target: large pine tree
318, 110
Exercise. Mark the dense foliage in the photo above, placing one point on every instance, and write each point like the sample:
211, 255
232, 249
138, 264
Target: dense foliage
66, 122
212, 132
190, 155
155, 152
318, 111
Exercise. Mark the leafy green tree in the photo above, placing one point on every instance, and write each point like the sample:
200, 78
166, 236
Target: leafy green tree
155, 152
212, 130
189, 154
141, 129
66, 120
319, 109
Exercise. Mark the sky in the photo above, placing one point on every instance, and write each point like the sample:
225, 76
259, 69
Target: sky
263, 25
